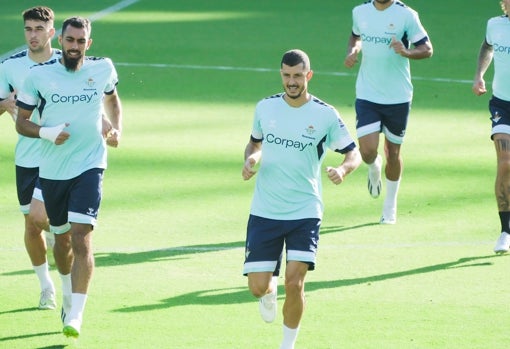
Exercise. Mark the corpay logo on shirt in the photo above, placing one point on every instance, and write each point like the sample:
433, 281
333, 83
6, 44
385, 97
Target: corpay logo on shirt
376, 39
287, 143
56, 98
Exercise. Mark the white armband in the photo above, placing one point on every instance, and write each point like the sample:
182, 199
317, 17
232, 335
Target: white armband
51, 133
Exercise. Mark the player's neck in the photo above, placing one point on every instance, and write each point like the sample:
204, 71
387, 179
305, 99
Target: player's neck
40, 57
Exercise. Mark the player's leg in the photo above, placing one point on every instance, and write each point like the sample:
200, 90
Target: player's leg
500, 116
264, 246
502, 190
39, 217
294, 305
368, 128
56, 206
84, 202
393, 173
394, 122
35, 244
301, 244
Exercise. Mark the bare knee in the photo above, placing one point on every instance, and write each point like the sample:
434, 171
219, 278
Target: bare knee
259, 284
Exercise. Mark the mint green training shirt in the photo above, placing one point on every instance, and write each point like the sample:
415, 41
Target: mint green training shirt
384, 76
13, 72
294, 144
75, 98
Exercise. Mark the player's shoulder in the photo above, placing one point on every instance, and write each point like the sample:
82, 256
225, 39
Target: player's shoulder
272, 98
503, 19
16, 57
98, 60
323, 106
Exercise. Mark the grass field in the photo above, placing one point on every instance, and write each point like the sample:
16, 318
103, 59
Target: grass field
169, 245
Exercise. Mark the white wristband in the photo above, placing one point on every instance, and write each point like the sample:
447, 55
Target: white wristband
51, 133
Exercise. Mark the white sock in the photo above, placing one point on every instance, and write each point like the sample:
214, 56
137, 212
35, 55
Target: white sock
43, 274
289, 337
78, 305
67, 286
390, 202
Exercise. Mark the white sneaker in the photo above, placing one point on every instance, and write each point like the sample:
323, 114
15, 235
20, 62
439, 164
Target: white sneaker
72, 328
503, 243
374, 178
267, 303
47, 299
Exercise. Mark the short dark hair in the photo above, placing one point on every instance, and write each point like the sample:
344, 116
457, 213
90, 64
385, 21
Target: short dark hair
295, 57
39, 13
77, 22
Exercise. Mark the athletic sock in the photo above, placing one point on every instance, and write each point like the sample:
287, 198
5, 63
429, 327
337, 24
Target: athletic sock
289, 337
390, 201
504, 217
43, 274
78, 305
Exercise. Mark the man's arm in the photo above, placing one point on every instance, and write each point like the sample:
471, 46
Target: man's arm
27, 128
484, 60
419, 51
113, 109
352, 160
9, 105
252, 155
353, 49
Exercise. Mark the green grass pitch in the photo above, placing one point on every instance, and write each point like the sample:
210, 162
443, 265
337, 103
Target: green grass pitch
169, 244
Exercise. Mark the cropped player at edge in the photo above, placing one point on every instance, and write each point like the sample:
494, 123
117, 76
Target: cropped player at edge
497, 46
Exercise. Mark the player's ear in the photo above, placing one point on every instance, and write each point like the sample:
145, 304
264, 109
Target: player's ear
60, 40
89, 43
309, 75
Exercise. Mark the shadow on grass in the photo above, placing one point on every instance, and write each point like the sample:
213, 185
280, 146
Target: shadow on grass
173, 253
25, 336
241, 294
22, 310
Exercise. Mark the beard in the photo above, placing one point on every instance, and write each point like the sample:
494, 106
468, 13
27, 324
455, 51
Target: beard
71, 63
296, 95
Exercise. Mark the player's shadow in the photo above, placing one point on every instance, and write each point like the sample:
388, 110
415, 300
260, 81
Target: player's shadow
17, 338
111, 259
242, 295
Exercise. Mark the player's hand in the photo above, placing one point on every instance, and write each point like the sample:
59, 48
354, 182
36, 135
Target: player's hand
478, 87
248, 170
351, 60
113, 138
335, 174
398, 47
9, 105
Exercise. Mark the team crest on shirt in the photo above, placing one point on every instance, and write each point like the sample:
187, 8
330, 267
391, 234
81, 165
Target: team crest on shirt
391, 27
310, 130
91, 82
272, 124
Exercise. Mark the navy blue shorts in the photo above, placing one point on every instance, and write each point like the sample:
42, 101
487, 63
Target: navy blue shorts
390, 119
27, 179
500, 116
266, 238
74, 200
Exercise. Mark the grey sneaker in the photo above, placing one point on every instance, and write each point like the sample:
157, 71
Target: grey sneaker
47, 300
374, 178
503, 243
267, 303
